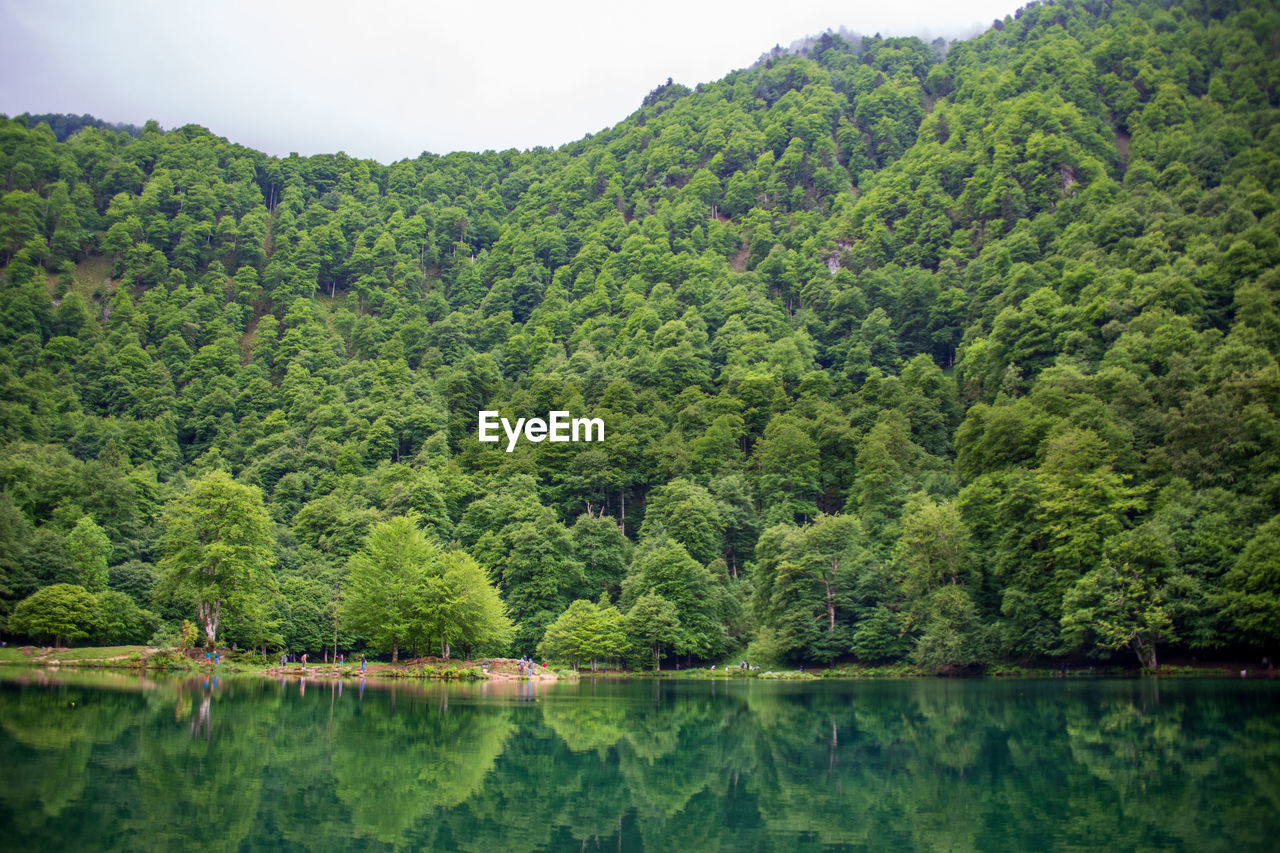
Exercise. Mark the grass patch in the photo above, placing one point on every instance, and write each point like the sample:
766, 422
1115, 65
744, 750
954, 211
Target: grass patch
99, 657
83, 654
97, 653
91, 277
787, 675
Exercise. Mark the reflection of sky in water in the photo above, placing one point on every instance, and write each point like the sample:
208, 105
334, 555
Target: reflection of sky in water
518, 765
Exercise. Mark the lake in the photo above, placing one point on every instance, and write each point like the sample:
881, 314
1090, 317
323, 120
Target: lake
123, 762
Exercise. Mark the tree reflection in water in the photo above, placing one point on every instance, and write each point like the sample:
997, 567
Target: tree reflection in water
637, 765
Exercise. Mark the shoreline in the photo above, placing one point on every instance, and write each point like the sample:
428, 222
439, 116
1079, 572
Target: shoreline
141, 658
152, 659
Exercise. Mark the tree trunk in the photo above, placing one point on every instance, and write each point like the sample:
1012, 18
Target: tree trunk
208, 615
831, 606
1146, 654
395, 650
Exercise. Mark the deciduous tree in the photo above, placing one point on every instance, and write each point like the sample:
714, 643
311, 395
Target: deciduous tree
217, 548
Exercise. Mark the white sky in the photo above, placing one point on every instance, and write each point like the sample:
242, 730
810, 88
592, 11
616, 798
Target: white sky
389, 80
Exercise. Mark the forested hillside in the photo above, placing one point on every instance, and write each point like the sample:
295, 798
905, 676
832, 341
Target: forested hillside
948, 353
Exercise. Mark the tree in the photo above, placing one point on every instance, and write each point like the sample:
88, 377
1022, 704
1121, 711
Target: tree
933, 548
686, 513
1251, 598
1083, 501
217, 548
803, 581
383, 580
654, 624
121, 620
402, 588
89, 547
63, 611
586, 631
789, 469
604, 552
1120, 606
953, 633
530, 553
667, 570
458, 605
824, 546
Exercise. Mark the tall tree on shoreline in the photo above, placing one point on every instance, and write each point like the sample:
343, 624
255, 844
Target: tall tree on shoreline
217, 547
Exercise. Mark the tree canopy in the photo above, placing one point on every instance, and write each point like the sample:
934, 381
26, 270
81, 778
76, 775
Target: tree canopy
903, 351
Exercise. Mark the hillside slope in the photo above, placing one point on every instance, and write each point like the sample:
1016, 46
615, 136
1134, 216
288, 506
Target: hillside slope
953, 359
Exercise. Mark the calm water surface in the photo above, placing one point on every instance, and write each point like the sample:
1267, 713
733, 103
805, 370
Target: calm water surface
93, 763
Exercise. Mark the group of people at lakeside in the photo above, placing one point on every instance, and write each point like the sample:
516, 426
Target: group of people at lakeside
341, 660
745, 667
528, 666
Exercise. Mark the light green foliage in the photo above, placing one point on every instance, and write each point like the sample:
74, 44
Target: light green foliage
934, 548
89, 547
1122, 607
383, 584
58, 612
402, 590
654, 624
935, 564
217, 549
586, 631
1083, 501
887, 460
458, 605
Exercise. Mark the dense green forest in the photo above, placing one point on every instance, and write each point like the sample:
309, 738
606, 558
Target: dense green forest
946, 353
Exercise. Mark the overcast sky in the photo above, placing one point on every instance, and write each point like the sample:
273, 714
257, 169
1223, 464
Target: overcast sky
389, 80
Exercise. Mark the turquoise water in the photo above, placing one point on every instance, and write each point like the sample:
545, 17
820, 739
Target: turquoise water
107, 763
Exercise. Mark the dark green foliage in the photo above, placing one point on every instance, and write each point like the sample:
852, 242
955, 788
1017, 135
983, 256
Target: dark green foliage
1021, 290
